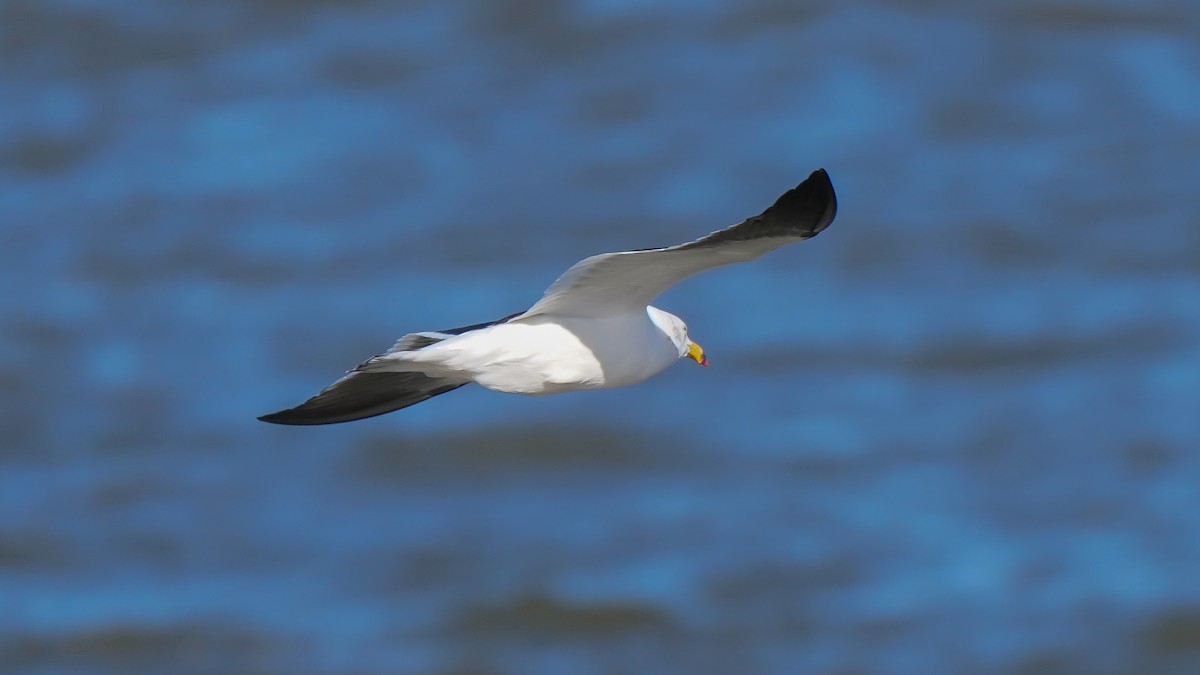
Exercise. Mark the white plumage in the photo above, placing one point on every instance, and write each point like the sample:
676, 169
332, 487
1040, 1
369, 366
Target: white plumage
593, 328
549, 353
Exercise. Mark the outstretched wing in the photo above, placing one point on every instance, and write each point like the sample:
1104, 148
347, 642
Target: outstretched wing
364, 392
613, 283
361, 394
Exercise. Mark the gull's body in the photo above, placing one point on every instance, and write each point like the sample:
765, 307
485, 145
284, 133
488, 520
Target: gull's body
594, 327
546, 354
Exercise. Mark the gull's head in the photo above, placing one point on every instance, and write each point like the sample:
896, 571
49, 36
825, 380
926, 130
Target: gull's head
675, 329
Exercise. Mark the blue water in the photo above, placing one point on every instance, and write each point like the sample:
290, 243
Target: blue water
956, 433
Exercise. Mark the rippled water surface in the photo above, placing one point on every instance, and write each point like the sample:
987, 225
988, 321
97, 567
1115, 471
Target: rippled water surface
954, 433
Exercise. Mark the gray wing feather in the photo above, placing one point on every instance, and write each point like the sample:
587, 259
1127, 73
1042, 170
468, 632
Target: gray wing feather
612, 283
414, 341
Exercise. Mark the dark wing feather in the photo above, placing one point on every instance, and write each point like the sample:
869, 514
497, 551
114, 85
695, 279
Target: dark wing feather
360, 394
801, 212
363, 392
476, 326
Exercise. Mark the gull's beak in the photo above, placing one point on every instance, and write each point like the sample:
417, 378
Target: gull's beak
696, 353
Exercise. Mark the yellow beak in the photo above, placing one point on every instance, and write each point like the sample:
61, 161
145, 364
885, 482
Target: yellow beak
696, 353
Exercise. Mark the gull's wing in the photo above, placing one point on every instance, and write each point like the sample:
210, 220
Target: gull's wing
361, 394
613, 283
366, 392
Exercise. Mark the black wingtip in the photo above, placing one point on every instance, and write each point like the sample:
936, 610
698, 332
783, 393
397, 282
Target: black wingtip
288, 417
813, 203
360, 395
304, 416
309, 414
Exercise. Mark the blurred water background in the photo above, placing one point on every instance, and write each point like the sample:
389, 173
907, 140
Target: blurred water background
956, 433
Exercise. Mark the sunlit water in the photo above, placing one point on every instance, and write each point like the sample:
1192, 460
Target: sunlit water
954, 433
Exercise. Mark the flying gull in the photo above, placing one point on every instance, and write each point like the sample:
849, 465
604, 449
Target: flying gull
594, 327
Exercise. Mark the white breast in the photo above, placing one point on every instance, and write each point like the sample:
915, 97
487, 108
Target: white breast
546, 354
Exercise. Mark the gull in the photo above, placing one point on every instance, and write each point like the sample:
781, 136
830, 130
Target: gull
594, 328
